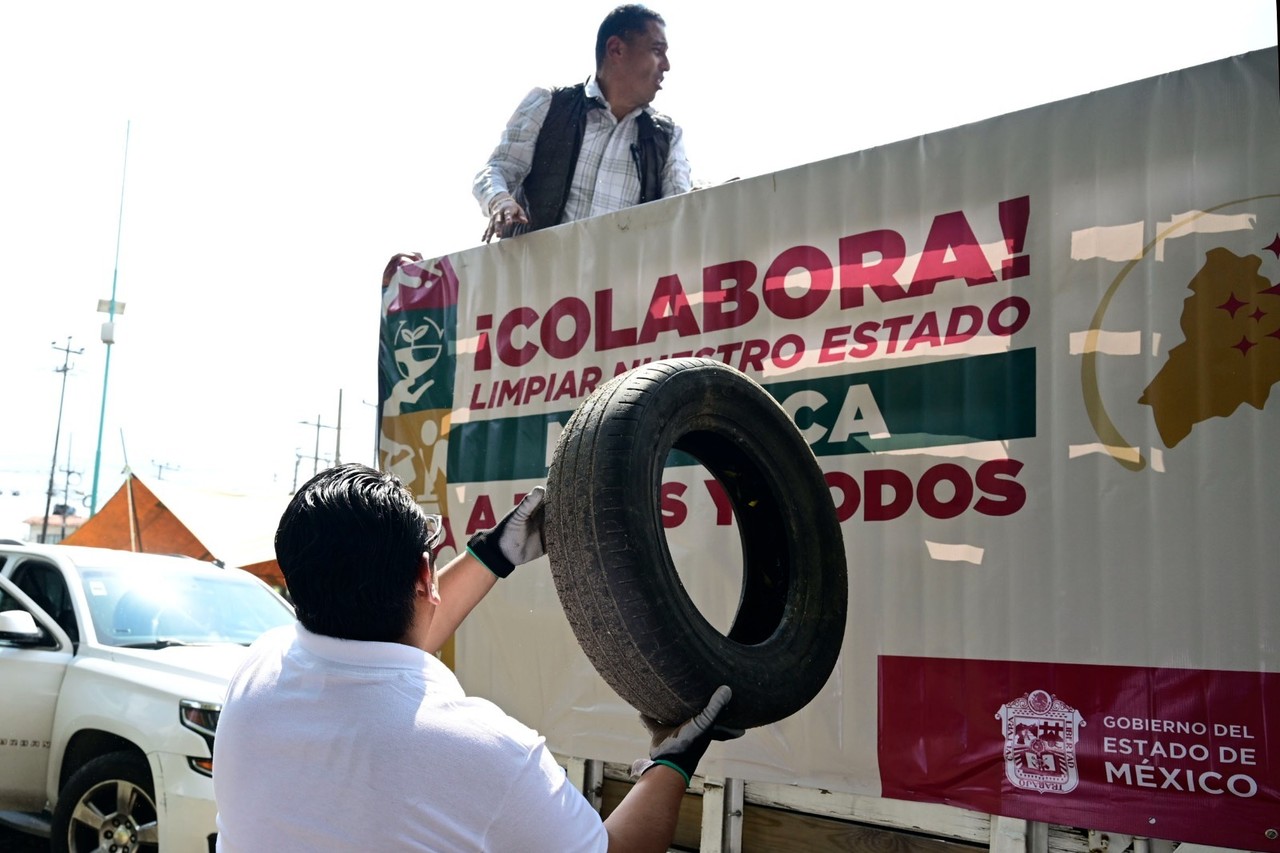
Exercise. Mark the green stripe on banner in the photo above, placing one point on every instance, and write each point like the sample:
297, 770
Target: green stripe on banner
958, 401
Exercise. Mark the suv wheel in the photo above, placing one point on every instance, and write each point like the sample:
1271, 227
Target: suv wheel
108, 805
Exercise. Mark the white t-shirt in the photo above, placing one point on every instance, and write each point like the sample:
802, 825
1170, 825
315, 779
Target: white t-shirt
328, 744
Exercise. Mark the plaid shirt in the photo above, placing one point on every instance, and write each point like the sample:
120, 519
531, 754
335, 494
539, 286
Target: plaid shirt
604, 178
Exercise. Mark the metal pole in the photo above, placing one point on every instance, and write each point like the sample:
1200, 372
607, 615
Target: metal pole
66, 489
57, 433
111, 316
319, 424
315, 460
337, 442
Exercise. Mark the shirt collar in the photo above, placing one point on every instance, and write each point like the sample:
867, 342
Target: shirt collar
593, 91
597, 97
361, 652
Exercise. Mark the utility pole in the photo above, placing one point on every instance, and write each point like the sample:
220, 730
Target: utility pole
337, 441
161, 467
67, 474
67, 352
319, 425
298, 456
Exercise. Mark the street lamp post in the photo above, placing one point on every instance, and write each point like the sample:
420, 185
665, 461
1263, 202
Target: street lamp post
108, 330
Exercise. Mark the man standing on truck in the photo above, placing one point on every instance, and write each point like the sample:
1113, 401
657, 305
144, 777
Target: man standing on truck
593, 148
344, 732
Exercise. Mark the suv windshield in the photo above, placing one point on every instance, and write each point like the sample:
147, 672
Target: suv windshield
173, 607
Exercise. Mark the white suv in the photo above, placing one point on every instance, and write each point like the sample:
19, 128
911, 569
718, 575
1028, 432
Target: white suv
114, 666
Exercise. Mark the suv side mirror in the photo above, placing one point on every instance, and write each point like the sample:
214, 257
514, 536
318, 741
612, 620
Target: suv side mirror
20, 627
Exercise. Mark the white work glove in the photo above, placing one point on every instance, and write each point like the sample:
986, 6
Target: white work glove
515, 540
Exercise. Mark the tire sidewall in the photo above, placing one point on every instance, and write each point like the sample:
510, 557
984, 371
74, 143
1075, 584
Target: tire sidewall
126, 766
709, 404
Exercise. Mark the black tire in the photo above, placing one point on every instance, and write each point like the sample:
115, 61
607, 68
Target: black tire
615, 576
89, 807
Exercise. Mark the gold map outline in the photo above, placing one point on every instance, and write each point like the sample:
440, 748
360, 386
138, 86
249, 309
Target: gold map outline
1119, 449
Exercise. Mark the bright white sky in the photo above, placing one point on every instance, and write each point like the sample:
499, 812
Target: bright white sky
281, 152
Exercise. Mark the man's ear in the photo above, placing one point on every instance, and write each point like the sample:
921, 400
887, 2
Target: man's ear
613, 46
428, 584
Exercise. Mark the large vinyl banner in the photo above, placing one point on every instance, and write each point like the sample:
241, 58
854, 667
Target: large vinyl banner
1036, 358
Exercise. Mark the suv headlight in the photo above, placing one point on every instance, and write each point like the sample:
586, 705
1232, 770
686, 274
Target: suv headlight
201, 718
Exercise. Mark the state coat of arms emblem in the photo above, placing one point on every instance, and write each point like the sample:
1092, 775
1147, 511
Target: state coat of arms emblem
1040, 736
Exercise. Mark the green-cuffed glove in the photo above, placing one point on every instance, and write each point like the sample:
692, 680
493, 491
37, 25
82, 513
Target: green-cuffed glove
682, 747
515, 540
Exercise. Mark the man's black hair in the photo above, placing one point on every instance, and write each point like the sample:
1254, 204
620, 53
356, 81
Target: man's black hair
625, 22
350, 544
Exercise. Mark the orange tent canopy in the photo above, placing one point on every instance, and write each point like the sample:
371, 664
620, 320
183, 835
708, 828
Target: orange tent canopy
163, 518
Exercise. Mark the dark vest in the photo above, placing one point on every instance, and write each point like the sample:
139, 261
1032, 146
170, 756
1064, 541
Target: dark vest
555, 155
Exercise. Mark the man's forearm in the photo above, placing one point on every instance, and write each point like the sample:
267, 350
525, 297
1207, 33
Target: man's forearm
487, 186
645, 820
